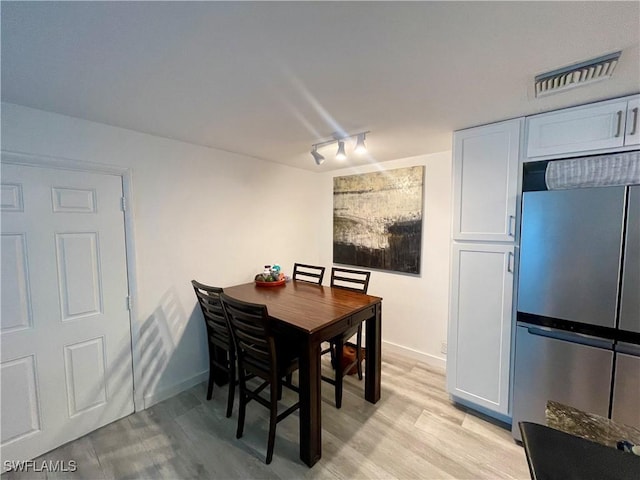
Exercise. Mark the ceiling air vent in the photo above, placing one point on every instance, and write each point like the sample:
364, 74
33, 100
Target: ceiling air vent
576, 75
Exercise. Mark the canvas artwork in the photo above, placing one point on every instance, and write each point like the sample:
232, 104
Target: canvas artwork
377, 219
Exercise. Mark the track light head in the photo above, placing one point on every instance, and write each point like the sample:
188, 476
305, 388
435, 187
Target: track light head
317, 156
360, 146
340, 154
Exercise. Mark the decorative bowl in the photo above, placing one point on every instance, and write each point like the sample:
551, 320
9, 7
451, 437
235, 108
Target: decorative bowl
281, 281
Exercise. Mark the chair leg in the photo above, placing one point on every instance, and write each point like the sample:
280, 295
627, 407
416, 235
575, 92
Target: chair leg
359, 352
232, 383
273, 418
210, 384
333, 356
242, 408
339, 346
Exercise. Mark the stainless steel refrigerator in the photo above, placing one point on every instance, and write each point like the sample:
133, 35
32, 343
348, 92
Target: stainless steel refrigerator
578, 319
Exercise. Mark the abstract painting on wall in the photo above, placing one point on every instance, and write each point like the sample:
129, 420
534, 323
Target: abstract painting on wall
377, 219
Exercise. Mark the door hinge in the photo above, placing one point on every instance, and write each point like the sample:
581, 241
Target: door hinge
123, 203
129, 303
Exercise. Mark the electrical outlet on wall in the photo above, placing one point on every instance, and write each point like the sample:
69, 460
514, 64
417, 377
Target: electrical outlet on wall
443, 347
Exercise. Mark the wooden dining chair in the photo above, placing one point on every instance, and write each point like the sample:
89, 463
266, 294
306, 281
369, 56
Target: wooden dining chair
260, 354
218, 337
357, 281
308, 273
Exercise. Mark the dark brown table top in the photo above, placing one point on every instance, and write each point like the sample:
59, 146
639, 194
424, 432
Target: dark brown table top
303, 305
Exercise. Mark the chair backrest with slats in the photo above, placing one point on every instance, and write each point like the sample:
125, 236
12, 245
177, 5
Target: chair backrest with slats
355, 280
254, 342
308, 273
216, 323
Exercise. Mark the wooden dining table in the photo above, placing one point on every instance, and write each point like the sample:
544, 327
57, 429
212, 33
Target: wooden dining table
308, 315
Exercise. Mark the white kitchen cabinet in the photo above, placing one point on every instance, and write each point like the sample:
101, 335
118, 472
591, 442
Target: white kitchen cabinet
479, 336
485, 193
485, 181
612, 124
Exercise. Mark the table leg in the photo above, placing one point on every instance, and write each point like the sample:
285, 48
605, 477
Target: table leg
310, 403
374, 362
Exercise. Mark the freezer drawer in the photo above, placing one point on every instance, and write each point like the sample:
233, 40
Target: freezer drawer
570, 254
551, 369
626, 390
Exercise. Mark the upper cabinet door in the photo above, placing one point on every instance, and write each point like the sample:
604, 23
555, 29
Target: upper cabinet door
485, 176
598, 126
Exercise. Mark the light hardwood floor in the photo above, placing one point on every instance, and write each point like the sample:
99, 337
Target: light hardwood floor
413, 432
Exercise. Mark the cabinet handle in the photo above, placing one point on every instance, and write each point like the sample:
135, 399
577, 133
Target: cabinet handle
619, 129
635, 122
509, 260
512, 221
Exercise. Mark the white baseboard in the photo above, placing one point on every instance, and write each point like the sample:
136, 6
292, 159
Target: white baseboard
158, 396
168, 392
426, 358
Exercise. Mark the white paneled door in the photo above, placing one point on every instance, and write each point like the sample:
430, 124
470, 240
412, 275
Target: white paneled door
66, 366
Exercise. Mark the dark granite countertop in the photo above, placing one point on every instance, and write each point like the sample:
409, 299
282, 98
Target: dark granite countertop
556, 455
588, 425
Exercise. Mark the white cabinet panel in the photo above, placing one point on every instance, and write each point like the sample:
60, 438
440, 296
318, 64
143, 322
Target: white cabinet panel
486, 181
479, 338
598, 126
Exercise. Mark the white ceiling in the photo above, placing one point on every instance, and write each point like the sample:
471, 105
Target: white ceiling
268, 79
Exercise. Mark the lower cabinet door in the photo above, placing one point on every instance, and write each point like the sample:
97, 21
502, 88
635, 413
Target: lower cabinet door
480, 319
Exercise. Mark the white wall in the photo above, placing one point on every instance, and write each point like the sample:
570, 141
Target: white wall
414, 307
218, 217
199, 213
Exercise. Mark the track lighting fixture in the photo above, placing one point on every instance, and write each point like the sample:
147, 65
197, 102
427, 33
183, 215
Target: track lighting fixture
316, 156
341, 154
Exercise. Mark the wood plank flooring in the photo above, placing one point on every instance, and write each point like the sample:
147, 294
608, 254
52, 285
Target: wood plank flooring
413, 432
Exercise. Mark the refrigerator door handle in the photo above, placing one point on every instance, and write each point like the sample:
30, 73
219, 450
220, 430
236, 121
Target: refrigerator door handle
510, 262
574, 337
628, 348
